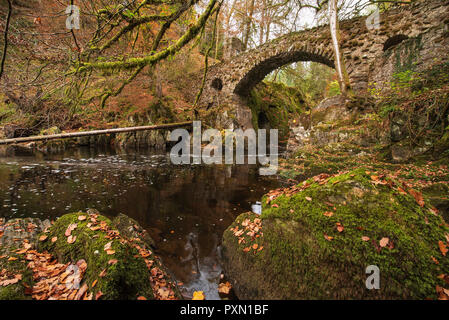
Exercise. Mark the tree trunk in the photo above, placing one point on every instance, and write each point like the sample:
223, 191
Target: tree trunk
249, 21
227, 26
217, 35
5, 40
158, 82
343, 78
267, 29
263, 17
95, 133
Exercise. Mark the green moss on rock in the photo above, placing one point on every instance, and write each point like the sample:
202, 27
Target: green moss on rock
126, 279
16, 291
275, 104
438, 195
299, 262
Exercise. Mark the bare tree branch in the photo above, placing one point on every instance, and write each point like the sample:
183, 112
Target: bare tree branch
5, 44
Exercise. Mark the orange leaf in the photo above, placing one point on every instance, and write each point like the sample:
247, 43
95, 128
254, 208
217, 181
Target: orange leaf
224, 288
8, 282
141, 298
364, 238
383, 242
98, 295
391, 245
43, 238
434, 211
446, 292
54, 239
340, 227
444, 277
443, 294
198, 295
418, 197
71, 239
82, 291
70, 228
443, 247
308, 198
328, 238
108, 246
328, 214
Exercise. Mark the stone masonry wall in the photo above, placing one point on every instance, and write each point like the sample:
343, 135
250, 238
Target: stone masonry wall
229, 83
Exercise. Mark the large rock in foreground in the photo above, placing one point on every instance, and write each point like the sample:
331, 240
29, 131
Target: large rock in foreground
316, 240
120, 264
82, 256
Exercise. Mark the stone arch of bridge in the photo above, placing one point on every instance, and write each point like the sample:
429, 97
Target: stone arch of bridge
262, 69
394, 41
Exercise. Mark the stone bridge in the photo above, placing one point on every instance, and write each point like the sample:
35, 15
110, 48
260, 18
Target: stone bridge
229, 82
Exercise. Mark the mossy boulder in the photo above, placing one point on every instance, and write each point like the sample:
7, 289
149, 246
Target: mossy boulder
12, 268
318, 240
130, 228
127, 276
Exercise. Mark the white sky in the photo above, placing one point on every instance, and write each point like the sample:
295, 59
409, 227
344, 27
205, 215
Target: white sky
306, 19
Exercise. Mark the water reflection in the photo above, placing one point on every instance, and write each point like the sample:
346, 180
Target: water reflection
185, 208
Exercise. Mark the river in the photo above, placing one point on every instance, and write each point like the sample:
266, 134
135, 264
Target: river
184, 208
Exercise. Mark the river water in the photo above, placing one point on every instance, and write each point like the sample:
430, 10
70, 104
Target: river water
184, 208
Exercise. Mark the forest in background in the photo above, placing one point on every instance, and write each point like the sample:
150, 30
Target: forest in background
138, 59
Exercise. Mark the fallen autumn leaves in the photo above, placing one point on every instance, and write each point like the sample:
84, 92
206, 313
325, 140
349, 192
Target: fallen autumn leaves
253, 231
67, 281
7, 278
396, 192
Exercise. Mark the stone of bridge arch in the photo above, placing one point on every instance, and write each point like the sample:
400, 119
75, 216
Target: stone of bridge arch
228, 83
